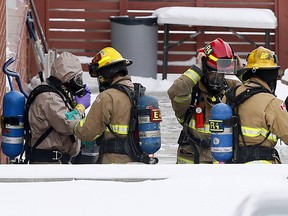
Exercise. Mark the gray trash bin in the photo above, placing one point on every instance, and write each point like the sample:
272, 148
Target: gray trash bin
136, 38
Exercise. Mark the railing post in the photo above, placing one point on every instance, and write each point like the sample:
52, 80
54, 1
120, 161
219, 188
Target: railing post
123, 7
165, 51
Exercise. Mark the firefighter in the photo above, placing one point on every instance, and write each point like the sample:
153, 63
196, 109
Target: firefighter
263, 117
52, 139
108, 119
195, 92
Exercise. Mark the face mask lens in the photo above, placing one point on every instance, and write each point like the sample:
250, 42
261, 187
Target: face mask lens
78, 79
76, 85
216, 78
227, 66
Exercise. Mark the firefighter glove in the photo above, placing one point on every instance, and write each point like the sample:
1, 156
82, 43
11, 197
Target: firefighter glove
85, 100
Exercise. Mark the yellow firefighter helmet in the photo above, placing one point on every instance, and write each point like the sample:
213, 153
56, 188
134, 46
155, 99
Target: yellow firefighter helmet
260, 58
106, 57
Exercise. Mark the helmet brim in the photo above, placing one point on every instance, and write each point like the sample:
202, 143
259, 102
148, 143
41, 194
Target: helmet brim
127, 62
245, 73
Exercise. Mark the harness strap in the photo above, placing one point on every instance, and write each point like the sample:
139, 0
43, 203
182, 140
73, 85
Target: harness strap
114, 146
234, 101
252, 153
239, 99
43, 155
186, 137
29, 152
128, 145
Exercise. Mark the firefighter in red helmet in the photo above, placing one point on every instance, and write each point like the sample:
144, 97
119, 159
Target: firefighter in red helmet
195, 92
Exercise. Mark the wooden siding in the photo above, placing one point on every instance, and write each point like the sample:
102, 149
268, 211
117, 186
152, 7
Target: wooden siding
186, 49
83, 27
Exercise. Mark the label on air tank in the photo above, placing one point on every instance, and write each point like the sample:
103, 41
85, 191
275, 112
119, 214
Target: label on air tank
12, 140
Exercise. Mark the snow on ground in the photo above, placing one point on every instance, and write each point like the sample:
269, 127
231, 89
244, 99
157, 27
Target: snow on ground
33, 190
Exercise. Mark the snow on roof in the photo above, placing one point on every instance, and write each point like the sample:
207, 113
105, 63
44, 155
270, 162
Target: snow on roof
223, 17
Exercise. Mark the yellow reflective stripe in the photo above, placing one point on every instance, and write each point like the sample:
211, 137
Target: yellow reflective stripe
258, 162
213, 58
206, 128
96, 137
193, 75
182, 99
180, 120
254, 132
81, 122
181, 160
271, 136
119, 129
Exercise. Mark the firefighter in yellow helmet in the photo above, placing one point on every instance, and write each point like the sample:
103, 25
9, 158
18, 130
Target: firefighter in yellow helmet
106, 64
263, 118
107, 121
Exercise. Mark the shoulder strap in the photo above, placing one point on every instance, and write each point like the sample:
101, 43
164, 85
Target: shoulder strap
32, 96
194, 101
191, 139
133, 149
249, 92
234, 101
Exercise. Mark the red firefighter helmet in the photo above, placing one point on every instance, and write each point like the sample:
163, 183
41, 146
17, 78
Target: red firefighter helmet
219, 54
218, 61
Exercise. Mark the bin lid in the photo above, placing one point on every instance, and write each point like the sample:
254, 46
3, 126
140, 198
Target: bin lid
140, 20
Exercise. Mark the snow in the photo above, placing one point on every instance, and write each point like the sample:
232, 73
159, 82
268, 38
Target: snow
226, 17
138, 189
134, 189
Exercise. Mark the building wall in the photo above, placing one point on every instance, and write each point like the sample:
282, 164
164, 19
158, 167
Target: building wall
87, 27
14, 45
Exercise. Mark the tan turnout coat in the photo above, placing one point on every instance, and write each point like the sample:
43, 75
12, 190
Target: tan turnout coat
111, 107
263, 112
182, 87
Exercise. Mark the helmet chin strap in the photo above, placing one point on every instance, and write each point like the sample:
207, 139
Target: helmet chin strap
272, 86
269, 77
103, 83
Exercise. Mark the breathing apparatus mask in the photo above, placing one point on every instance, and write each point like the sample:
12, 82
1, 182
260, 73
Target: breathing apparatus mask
218, 61
214, 75
76, 85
